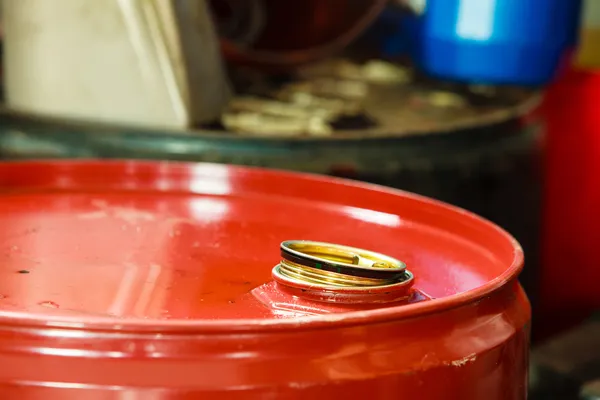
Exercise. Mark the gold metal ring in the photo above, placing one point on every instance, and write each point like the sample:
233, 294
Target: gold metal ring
337, 265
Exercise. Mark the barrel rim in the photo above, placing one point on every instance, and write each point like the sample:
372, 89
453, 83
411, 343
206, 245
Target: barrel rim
403, 312
512, 113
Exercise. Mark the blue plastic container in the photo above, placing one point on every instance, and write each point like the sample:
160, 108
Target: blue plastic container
520, 42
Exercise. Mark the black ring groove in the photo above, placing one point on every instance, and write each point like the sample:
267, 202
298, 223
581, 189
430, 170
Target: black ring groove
341, 269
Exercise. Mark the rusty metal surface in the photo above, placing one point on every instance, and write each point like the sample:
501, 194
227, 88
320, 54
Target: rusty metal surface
341, 98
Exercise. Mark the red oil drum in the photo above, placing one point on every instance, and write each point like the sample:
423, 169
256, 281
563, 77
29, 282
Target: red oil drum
134, 280
571, 214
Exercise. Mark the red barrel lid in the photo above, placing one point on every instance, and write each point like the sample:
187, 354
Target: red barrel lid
160, 246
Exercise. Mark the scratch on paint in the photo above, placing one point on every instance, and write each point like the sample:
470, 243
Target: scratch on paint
459, 363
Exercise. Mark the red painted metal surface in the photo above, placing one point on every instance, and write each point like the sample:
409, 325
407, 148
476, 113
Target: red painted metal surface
137, 279
572, 215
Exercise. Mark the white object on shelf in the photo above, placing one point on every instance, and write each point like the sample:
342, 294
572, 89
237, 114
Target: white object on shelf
143, 62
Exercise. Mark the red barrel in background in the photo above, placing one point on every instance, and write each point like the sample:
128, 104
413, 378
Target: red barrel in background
570, 273
569, 289
153, 281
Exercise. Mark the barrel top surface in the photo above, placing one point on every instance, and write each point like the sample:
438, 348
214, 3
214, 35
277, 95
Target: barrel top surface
171, 246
